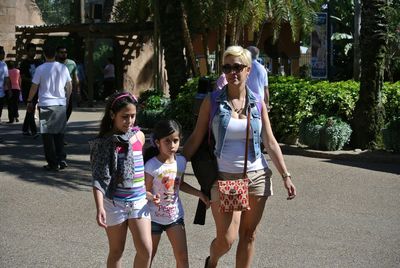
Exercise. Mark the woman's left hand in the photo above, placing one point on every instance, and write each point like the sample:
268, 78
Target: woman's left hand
291, 189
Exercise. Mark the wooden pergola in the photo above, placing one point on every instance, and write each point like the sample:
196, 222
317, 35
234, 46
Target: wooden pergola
127, 39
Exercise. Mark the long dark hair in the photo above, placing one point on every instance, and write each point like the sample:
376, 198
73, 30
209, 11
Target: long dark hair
161, 130
115, 103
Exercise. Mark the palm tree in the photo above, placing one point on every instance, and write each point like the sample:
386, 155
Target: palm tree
298, 13
171, 18
369, 112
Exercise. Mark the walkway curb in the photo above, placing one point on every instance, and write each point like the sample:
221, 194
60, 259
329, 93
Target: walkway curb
350, 155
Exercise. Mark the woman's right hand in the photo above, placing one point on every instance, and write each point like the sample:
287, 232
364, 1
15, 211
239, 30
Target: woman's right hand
101, 218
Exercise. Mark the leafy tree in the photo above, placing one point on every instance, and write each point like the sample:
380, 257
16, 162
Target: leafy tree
393, 55
55, 11
369, 112
299, 14
134, 11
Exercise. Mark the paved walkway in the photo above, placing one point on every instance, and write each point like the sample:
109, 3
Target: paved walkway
346, 213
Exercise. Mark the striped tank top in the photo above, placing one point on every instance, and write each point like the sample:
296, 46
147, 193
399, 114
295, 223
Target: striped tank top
132, 188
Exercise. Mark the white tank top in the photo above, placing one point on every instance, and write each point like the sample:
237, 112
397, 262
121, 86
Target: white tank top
232, 155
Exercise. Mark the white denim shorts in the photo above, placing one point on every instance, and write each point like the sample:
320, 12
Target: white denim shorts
119, 211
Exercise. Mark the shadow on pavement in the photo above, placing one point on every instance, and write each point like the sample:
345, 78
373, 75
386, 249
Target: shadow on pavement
372, 160
383, 167
23, 156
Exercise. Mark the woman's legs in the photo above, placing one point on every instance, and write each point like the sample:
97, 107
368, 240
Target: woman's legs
177, 237
116, 239
227, 225
141, 233
247, 231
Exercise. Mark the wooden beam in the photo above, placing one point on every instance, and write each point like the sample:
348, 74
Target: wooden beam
103, 29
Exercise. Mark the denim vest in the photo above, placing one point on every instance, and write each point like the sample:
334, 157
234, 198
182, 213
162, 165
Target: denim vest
223, 115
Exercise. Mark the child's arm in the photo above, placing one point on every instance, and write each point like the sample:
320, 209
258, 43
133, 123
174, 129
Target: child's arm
148, 179
193, 191
101, 213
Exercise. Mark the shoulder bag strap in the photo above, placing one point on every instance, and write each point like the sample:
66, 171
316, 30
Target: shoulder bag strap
247, 142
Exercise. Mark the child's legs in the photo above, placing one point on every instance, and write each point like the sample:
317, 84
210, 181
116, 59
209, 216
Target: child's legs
116, 240
141, 233
156, 232
155, 241
177, 236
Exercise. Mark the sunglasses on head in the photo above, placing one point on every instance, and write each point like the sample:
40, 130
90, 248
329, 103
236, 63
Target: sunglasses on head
237, 68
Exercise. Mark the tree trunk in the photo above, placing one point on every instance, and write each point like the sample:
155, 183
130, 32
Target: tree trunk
222, 37
204, 37
188, 43
369, 112
233, 32
356, 43
172, 42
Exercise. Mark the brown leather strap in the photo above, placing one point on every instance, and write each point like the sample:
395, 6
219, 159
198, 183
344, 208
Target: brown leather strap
247, 142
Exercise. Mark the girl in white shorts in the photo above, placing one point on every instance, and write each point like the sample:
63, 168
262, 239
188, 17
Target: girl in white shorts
118, 181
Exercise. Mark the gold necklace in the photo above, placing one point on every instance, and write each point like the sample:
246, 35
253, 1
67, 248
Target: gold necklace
237, 110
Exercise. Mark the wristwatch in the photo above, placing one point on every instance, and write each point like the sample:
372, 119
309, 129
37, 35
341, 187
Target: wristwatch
286, 175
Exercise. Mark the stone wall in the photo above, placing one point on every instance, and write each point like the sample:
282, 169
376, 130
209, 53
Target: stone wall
16, 12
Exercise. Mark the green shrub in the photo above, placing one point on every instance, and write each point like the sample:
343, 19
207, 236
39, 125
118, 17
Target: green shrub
151, 108
391, 100
294, 99
291, 103
181, 108
391, 135
309, 131
324, 133
147, 118
335, 134
152, 100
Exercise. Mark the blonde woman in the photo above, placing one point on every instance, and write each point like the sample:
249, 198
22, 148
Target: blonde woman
235, 102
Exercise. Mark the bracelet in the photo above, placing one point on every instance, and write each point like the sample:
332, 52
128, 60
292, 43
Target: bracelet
286, 175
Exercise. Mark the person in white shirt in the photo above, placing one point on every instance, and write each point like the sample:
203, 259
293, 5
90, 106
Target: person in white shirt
258, 77
53, 82
164, 178
109, 78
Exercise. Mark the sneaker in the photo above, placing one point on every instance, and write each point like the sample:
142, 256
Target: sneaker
16, 120
63, 164
51, 168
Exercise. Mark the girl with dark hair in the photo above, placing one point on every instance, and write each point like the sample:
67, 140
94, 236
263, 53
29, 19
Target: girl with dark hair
118, 181
164, 171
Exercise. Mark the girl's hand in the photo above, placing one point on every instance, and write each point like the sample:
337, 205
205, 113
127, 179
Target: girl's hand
101, 218
156, 199
205, 199
291, 189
